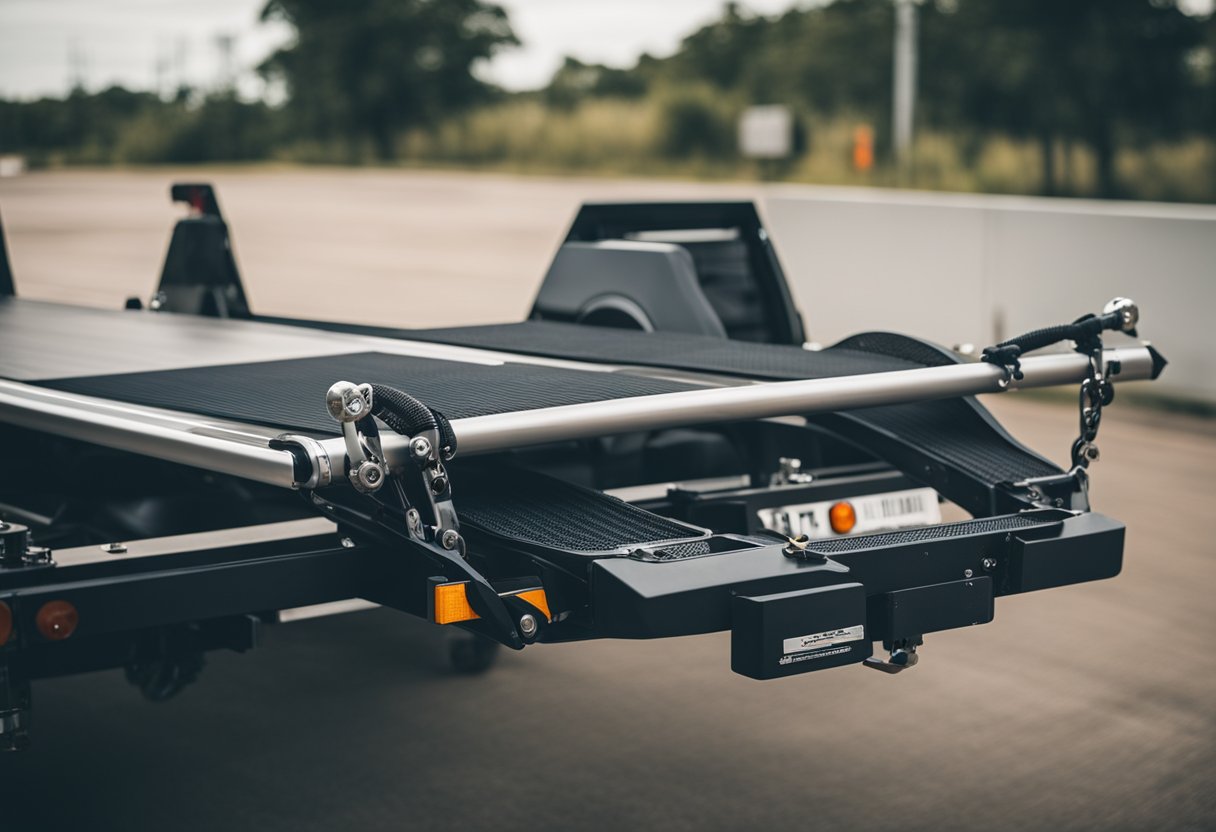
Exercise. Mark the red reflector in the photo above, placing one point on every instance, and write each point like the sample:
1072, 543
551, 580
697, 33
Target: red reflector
6, 623
56, 620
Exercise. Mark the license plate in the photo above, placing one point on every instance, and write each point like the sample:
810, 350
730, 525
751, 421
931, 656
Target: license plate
875, 512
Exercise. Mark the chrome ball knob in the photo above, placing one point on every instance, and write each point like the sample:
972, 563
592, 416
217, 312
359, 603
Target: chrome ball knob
1129, 312
348, 402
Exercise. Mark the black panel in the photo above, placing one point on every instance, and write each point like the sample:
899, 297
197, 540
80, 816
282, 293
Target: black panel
741, 277
291, 394
7, 287
796, 632
929, 609
697, 353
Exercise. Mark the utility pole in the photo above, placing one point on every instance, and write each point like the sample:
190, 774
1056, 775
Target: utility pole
904, 79
77, 67
225, 43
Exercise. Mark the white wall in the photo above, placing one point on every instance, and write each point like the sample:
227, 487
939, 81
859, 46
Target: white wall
963, 268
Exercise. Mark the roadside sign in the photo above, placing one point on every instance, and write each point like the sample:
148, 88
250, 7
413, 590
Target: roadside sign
766, 132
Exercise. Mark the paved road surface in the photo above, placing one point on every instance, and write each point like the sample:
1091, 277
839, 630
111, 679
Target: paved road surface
1088, 707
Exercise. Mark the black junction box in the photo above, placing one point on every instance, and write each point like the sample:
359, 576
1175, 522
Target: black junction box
797, 632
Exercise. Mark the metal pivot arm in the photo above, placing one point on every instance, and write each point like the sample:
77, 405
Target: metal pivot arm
418, 503
426, 497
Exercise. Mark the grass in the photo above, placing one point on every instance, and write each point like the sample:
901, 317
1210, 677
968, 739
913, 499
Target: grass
633, 137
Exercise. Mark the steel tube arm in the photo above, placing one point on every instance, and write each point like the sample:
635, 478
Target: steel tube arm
484, 434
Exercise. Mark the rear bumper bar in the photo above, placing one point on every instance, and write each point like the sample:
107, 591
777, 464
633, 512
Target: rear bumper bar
910, 582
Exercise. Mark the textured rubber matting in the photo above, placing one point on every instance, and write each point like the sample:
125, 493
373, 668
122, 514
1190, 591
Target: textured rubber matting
291, 394
532, 508
956, 433
662, 349
988, 525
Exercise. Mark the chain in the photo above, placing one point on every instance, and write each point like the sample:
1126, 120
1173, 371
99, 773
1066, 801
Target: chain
1096, 392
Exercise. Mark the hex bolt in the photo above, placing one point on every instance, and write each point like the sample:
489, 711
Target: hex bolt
420, 447
347, 543
439, 484
967, 573
450, 539
528, 625
989, 563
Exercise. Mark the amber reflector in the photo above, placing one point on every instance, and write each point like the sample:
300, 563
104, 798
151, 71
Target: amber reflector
6, 623
452, 604
842, 517
56, 620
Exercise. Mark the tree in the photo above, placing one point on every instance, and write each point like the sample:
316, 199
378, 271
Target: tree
1099, 71
372, 68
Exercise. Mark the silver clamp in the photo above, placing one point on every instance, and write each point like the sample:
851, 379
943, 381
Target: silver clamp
349, 403
433, 520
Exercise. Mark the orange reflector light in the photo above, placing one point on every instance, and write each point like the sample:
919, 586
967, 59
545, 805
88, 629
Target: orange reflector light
842, 517
56, 620
6, 623
538, 599
452, 604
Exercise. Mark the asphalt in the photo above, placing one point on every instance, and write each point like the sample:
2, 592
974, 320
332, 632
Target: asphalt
1087, 707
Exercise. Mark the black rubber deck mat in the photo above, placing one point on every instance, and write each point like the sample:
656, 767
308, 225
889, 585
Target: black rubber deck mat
291, 394
695, 353
532, 508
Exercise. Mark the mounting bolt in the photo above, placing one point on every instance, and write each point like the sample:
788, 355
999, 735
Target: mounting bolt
528, 625
347, 543
989, 563
420, 447
439, 484
450, 539
114, 548
37, 555
967, 573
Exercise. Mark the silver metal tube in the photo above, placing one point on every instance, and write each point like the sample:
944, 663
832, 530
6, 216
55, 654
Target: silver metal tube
161, 434
484, 434
243, 452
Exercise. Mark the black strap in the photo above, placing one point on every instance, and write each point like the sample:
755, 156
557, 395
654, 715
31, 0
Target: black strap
1086, 331
408, 416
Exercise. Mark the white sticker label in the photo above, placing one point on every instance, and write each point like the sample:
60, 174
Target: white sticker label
829, 638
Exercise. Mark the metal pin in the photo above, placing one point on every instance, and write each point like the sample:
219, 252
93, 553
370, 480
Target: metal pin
528, 625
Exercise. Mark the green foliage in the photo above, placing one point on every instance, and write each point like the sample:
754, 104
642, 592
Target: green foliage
119, 126
1103, 72
1081, 97
372, 68
695, 121
575, 81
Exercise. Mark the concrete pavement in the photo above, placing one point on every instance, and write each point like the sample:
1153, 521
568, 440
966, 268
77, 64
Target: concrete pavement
1087, 707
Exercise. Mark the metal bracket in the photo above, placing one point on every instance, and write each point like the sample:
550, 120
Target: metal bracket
1069, 491
430, 517
902, 655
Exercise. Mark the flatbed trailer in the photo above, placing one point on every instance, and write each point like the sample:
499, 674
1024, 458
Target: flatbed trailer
176, 476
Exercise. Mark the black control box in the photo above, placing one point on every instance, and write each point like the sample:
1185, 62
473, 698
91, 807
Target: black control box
800, 631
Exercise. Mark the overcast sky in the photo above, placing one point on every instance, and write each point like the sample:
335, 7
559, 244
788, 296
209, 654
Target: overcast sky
44, 44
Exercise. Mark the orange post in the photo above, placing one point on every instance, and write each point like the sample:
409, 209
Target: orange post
863, 148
